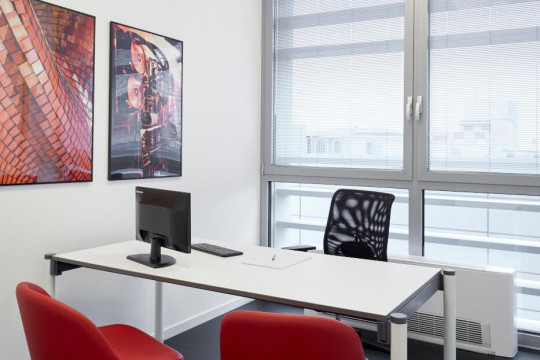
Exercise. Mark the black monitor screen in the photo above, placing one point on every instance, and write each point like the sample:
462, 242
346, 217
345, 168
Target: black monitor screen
163, 218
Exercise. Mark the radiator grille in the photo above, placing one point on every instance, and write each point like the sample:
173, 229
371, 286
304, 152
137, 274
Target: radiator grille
467, 331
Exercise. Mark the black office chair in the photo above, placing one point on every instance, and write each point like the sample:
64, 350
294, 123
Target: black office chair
357, 226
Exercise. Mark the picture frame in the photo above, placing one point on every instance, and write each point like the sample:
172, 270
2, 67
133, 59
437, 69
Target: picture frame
46, 94
145, 121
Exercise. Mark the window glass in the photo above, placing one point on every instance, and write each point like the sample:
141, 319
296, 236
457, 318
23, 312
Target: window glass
339, 84
489, 229
483, 86
300, 212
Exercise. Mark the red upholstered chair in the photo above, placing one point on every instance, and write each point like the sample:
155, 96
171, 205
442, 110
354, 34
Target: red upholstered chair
55, 331
266, 336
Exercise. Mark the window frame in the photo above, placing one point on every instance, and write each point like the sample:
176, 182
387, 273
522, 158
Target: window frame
421, 66
415, 176
268, 72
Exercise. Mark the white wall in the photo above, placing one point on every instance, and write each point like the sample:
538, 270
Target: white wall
221, 131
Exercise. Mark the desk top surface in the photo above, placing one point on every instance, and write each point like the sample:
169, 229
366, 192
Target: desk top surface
354, 287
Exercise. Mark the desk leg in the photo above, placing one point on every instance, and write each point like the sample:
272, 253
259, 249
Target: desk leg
158, 320
52, 286
398, 336
51, 283
449, 277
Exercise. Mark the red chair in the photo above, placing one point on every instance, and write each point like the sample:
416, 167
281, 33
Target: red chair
267, 336
55, 331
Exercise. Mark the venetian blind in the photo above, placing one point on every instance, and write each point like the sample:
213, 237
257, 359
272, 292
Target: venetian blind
338, 83
484, 92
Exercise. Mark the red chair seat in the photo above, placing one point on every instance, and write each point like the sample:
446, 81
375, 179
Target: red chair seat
122, 337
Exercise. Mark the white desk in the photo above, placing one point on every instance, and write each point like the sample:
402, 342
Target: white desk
359, 288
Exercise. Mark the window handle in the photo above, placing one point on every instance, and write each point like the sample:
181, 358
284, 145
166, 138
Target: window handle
418, 108
408, 109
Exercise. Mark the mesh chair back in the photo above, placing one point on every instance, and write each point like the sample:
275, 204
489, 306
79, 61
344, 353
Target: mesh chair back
362, 216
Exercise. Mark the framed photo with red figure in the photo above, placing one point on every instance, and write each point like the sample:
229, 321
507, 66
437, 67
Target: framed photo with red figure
145, 134
46, 93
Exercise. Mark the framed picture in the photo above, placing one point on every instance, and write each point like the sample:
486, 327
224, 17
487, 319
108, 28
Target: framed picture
46, 93
145, 135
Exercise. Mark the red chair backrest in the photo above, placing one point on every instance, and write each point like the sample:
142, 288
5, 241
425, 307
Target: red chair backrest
267, 336
55, 331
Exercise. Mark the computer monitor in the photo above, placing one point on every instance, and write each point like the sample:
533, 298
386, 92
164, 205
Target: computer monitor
163, 218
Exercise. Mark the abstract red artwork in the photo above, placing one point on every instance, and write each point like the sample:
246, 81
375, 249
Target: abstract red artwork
46, 93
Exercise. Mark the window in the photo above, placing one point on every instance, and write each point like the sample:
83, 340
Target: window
435, 101
300, 211
490, 229
483, 86
339, 84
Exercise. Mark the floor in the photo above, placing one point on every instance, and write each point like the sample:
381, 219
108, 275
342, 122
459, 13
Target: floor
202, 342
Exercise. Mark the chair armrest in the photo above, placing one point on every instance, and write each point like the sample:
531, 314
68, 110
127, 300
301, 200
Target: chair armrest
303, 248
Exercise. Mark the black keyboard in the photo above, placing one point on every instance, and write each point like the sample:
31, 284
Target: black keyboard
215, 250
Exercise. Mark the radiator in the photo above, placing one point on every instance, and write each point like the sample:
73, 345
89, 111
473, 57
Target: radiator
485, 304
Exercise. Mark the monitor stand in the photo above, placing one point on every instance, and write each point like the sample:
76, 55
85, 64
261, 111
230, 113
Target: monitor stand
154, 259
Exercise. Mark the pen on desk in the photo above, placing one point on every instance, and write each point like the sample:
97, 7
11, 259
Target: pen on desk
274, 257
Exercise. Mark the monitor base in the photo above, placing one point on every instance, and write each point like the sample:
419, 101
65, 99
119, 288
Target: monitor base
144, 259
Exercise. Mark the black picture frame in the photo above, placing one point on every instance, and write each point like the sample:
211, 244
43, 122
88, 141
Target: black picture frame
145, 108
